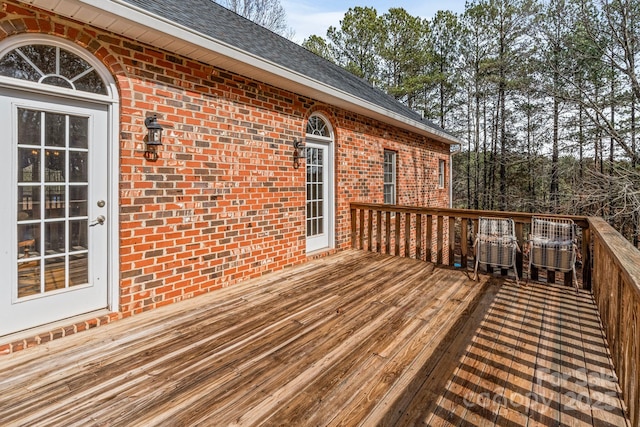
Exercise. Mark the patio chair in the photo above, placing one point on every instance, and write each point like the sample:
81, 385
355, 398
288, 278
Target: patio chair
552, 245
496, 244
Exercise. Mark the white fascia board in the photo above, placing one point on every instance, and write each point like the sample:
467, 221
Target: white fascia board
303, 84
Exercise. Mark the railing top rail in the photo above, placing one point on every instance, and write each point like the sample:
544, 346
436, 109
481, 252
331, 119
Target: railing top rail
519, 217
625, 256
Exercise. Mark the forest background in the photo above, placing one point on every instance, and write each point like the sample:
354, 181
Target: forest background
544, 95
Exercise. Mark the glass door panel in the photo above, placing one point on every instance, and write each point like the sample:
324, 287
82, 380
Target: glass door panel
53, 189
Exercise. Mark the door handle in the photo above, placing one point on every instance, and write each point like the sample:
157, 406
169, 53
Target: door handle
99, 221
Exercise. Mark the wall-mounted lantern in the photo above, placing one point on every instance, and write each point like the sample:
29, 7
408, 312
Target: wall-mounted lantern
298, 152
154, 138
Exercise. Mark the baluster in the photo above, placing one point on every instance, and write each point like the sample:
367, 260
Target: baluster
387, 232
398, 220
464, 244
379, 231
362, 229
418, 236
452, 240
440, 241
407, 235
370, 230
429, 242
353, 228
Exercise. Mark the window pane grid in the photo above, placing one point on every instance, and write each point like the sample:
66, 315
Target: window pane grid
389, 176
52, 66
441, 173
315, 192
52, 206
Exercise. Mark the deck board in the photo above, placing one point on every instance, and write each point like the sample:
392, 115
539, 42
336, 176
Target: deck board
355, 338
325, 341
538, 358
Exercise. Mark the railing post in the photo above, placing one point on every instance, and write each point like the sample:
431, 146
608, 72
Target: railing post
464, 247
452, 240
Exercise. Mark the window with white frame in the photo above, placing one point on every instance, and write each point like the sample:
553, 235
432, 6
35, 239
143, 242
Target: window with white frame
52, 65
389, 177
441, 174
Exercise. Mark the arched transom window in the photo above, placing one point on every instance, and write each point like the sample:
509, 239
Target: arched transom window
317, 126
52, 65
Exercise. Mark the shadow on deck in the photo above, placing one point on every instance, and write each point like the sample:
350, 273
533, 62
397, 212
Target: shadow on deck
356, 338
537, 358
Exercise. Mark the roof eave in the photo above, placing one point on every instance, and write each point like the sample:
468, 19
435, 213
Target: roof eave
130, 21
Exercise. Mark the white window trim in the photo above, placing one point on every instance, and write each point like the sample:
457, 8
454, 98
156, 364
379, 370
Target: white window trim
394, 176
442, 170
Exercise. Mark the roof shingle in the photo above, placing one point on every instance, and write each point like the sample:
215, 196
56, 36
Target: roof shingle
212, 20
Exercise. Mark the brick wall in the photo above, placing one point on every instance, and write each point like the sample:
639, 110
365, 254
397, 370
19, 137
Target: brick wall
224, 203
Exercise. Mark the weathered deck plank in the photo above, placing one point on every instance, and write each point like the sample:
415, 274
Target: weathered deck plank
322, 341
352, 339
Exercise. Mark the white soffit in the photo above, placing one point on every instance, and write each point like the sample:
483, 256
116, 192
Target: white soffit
137, 24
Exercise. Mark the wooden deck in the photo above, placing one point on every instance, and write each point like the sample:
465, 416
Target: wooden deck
352, 339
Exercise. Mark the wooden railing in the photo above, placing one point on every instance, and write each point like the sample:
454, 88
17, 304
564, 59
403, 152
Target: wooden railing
611, 266
445, 236
616, 289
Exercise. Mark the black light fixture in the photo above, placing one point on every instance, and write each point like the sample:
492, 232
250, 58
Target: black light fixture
298, 152
154, 138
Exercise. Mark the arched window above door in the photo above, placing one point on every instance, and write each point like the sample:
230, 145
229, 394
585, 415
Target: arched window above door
52, 65
318, 127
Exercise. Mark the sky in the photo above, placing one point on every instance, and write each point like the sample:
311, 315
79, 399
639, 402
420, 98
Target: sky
308, 17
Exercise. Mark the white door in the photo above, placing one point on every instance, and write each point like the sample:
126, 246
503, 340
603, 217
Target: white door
318, 196
53, 254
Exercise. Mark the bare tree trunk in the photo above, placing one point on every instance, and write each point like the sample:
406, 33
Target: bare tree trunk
531, 182
636, 215
476, 198
494, 155
501, 122
555, 155
441, 95
502, 197
469, 132
485, 170
612, 99
581, 142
